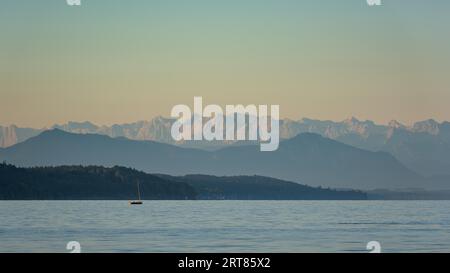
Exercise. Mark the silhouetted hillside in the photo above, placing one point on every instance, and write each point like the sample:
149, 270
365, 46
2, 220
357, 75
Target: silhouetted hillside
260, 188
118, 183
86, 183
308, 158
423, 147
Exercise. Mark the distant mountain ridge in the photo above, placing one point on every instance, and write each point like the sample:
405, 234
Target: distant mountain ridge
158, 129
307, 158
423, 147
11, 135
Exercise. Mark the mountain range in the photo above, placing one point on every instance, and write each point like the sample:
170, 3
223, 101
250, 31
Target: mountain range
423, 147
307, 158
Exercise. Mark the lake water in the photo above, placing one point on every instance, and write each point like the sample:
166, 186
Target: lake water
225, 226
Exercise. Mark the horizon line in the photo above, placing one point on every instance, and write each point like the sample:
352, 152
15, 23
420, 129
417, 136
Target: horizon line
351, 118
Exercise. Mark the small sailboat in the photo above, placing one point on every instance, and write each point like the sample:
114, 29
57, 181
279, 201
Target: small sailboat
139, 201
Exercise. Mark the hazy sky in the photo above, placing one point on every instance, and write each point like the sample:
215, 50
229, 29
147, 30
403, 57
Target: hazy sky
122, 61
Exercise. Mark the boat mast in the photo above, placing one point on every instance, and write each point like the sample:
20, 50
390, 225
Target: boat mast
139, 192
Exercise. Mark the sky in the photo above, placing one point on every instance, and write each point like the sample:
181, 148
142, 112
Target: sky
121, 61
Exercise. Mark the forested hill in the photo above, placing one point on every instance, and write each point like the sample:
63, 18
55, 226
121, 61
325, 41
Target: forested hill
119, 183
86, 183
260, 188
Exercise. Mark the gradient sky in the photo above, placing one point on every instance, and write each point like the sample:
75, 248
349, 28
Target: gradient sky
122, 61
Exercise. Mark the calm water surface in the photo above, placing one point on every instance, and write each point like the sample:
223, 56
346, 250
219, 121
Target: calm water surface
225, 226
